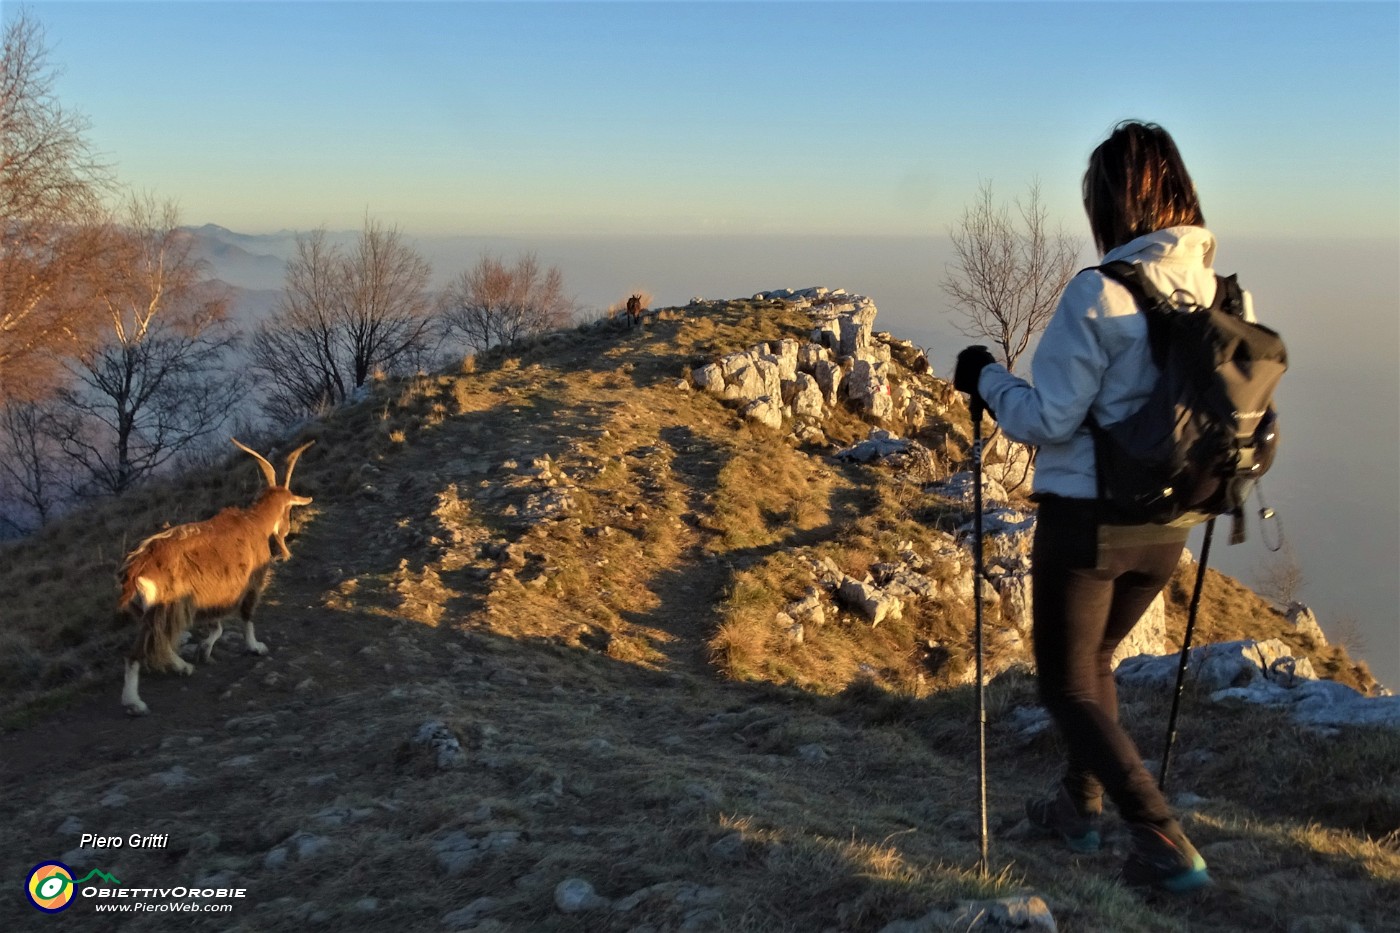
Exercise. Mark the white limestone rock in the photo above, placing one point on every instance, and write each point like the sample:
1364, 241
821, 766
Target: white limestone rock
807, 401
877, 446
869, 387
809, 355
1305, 621
830, 379
1148, 637
766, 411
709, 377
869, 600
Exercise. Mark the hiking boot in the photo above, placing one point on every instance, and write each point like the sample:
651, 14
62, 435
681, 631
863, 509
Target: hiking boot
1058, 815
1162, 857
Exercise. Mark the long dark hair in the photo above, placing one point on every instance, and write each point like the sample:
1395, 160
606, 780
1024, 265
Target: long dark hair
1136, 184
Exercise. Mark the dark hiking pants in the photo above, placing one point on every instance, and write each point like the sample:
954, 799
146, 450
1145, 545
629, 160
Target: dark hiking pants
1086, 596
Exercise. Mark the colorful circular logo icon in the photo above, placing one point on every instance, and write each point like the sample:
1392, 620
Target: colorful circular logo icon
50, 887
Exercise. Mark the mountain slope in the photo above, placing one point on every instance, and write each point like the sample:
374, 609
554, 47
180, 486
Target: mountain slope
528, 636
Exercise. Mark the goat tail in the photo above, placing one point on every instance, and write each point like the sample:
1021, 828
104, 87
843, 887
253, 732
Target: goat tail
161, 625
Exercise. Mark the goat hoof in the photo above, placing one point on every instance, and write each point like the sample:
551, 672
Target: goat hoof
137, 709
257, 647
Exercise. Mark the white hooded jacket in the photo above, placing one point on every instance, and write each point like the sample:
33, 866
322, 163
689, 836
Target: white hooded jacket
1094, 356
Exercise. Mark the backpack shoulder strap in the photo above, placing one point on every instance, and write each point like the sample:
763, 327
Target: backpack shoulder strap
1154, 306
1131, 276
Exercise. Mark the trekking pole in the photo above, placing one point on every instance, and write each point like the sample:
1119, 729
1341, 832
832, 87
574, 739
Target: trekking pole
1185, 650
975, 404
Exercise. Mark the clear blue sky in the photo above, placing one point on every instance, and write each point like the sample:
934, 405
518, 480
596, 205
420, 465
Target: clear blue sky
548, 118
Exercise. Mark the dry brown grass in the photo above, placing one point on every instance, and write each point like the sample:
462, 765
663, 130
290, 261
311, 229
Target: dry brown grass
826, 785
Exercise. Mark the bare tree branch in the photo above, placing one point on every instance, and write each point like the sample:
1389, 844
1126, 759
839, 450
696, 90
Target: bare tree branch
492, 303
52, 227
1009, 271
342, 319
156, 386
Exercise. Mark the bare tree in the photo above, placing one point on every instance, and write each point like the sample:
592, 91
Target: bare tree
1009, 271
1281, 577
343, 318
156, 386
35, 481
51, 227
1348, 634
493, 303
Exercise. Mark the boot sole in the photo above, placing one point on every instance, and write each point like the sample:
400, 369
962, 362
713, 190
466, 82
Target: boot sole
1192, 879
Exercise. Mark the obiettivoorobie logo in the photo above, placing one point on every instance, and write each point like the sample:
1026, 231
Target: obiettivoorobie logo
51, 885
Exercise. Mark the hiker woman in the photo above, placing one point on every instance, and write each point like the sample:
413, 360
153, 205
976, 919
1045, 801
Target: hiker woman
1092, 580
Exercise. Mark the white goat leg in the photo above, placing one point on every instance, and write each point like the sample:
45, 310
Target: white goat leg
206, 647
130, 699
255, 646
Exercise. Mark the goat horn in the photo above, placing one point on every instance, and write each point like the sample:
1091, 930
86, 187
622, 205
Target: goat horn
266, 467
292, 462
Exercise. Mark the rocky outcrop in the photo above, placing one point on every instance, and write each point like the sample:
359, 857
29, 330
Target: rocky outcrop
1266, 672
791, 380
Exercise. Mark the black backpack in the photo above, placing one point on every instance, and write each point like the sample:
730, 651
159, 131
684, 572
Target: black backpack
1208, 430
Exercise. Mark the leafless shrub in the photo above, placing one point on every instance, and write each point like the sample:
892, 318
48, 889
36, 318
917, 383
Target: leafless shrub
1281, 577
493, 304
343, 318
1347, 633
36, 480
1008, 276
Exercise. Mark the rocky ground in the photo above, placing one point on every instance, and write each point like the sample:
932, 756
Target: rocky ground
534, 667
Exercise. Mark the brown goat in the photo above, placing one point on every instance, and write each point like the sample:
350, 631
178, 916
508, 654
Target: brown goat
201, 571
634, 310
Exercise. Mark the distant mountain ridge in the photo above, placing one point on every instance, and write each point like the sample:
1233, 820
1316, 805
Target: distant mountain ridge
244, 261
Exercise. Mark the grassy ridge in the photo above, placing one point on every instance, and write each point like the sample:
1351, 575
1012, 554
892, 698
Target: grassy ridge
630, 711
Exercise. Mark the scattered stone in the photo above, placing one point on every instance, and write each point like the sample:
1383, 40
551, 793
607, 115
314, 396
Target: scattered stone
303, 845
1029, 912
1029, 721
177, 776
869, 600
877, 446
729, 848
464, 917
808, 609
574, 895
960, 487
457, 852
813, 753
444, 745
72, 826
238, 761
333, 817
